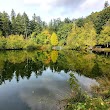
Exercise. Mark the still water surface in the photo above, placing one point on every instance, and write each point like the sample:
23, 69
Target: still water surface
39, 80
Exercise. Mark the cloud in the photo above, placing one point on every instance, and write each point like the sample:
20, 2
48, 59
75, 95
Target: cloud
38, 1
43, 93
50, 9
55, 5
92, 5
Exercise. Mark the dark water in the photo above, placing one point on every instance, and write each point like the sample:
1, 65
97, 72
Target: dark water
39, 80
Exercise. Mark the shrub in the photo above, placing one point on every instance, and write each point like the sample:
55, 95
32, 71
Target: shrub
15, 42
30, 45
2, 42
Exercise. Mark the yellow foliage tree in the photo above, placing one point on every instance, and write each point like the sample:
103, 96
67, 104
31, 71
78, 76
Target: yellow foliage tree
89, 34
46, 32
54, 39
82, 37
104, 37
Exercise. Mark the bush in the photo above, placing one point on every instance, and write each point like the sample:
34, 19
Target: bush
3, 43
88, 103
30, 45
15, 42
100, 99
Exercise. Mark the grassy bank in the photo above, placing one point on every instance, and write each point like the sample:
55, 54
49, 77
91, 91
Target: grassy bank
100, 99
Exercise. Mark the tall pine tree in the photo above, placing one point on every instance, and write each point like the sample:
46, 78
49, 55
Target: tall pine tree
13, 22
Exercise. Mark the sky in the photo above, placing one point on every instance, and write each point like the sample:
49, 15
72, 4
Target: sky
49, 9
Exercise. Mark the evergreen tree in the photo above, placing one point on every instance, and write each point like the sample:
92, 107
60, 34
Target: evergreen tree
67, 20
54, 24
35, 24
38, 20
44, 25
51, 26
80, 22
25, 24
6, 25
106, 4
19, 24
13, 22
101, 19
1, 24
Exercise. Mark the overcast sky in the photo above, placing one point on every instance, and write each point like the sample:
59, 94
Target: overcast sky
49, 9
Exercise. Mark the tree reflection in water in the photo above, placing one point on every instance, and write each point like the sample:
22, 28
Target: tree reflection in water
23, 63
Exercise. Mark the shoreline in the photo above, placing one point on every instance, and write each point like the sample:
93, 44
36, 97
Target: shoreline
101, 49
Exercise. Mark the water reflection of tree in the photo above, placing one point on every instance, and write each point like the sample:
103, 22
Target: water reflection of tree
88, 64
96, 70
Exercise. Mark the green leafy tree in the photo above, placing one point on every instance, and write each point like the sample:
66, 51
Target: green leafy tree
89, 35
15, 42
104, 37
43, 38
63, 31
3, 42
82, 37
73, 39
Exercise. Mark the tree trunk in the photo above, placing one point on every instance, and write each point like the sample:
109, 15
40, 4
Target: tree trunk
107, 44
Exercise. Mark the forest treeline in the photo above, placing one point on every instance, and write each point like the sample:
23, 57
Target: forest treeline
17, 31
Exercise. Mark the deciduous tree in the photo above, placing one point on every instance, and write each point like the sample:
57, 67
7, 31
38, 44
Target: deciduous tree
54, 39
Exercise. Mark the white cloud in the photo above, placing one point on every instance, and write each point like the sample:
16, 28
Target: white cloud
40, 2
89, 6
49, 9
89, 3
66, 8
43, 6
92, 4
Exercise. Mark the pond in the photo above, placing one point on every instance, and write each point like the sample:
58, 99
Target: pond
39, 80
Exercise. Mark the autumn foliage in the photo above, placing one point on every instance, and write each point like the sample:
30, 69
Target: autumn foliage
54, 39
